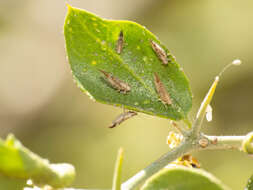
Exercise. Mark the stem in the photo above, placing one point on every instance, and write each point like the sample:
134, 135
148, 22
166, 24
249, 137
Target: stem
185, 147
188, 123
188, 145
225, 142
191, 142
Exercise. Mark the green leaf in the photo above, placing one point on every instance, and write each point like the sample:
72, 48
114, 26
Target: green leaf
18, 162
91, 46
183, 178
249, 184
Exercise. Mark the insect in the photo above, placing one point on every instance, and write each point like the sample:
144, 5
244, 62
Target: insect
188, 161
160, 88
122, 117
116, 83
120, 42
215, 141
193, 162
159, 52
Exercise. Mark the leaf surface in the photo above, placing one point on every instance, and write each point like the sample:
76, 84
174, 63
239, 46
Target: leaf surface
91, 44
18, 162
183, 178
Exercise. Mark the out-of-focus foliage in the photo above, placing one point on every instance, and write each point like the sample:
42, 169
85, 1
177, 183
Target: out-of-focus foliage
249, 184
18, 164
183, 178
10, 183
42, 106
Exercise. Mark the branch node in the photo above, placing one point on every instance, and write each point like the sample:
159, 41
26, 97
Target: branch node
203, 142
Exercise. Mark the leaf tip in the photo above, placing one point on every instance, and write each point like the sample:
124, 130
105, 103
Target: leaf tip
69, 7
11, 140
67, 19
10, 137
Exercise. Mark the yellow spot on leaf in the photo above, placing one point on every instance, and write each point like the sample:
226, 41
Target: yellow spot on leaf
146, 102
93, 62
145, 59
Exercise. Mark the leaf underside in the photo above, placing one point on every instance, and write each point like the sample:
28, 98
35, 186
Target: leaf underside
91, 46
183, 178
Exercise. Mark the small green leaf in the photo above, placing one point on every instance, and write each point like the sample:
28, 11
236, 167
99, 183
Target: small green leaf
91, 46
183, 178
249, 184
18, 162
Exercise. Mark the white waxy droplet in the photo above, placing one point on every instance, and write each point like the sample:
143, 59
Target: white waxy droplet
29, 182
237, 62
209, 113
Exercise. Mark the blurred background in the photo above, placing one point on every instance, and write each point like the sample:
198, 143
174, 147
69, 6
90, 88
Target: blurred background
42, 106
